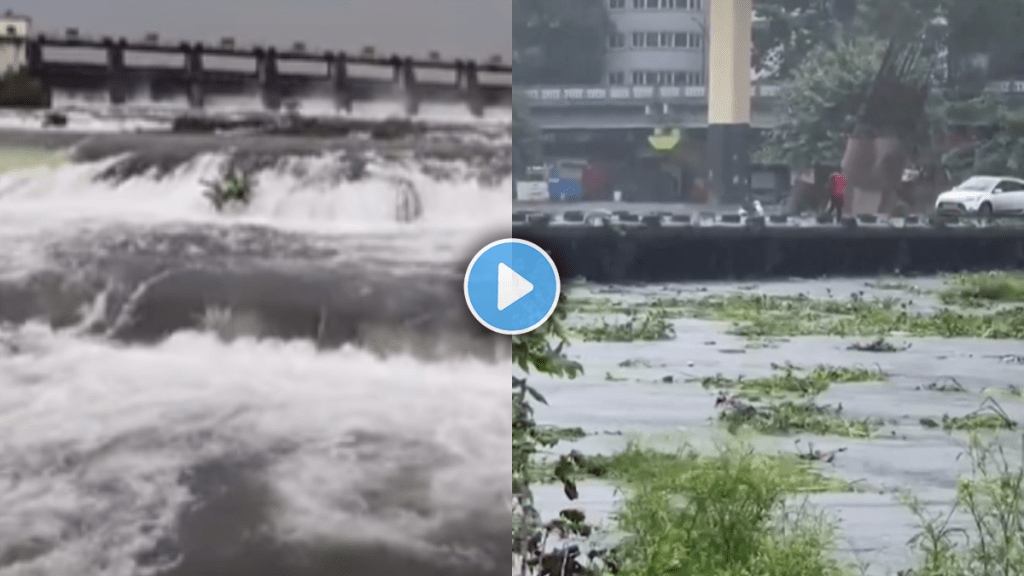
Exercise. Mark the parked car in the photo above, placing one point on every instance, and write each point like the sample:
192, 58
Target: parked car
984, 196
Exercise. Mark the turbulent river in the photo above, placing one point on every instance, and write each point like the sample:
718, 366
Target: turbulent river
292, 388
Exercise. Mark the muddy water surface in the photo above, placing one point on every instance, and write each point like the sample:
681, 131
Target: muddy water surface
615, 404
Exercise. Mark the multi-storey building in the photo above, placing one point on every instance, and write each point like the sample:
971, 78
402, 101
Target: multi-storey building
657, 42
12, 56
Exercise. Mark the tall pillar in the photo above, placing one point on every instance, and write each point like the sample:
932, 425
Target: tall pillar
337, 70
409, 88
471, 76
34, 57
117, 75
729, 90
194, 76
270, 82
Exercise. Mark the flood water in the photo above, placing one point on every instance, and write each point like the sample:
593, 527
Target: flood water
615, 405
290, 388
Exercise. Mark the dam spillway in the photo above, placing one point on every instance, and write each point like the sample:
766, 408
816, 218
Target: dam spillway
413, 80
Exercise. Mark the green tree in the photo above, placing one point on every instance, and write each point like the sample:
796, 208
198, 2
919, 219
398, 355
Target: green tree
790, 30
526, 142
559, 41
990, 27
19, 90
817, 105
1000, 151
820, 102
786, 33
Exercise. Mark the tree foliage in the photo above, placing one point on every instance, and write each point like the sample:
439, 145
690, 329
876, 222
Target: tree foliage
559, 41
789, 31
1000, 148
19, 90
818, 104
526, 142
826, 69
792, 29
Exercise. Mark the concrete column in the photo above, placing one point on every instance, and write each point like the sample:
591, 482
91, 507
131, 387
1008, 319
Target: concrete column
474, 98
34, 57
194, 76
409, 87
117, 75
270, 82
337, 71
729, 91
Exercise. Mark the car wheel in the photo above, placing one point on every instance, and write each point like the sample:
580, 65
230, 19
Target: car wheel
985, 210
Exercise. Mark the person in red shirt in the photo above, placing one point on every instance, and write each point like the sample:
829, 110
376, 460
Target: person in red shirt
836, 194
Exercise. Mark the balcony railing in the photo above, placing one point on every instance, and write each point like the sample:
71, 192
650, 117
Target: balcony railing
611, 94
569, 95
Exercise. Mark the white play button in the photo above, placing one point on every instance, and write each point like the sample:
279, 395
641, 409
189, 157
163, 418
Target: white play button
511, 286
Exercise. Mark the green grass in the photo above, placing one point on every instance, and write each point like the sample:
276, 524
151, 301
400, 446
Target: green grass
638, 326
762, 316
984, 289
731, 513
791, 380
723, 515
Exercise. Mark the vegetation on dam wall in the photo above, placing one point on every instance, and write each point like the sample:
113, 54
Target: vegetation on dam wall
19, 90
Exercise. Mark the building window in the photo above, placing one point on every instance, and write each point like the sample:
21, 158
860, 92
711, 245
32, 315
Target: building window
683, 40
687, 40
688, 78
616, 41
647, 4
12, 31
692, 4
616, 4
616, 78
667, 78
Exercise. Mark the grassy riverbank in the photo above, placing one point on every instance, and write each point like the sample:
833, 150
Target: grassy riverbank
734, 510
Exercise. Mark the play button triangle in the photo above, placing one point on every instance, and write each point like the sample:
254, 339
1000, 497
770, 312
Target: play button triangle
511, 286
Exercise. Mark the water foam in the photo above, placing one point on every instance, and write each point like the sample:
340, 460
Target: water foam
94, 439
301, 193
353, 453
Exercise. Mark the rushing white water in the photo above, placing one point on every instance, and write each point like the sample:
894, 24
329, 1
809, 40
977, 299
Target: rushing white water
95, 437
94, 114
300, 193
258, 452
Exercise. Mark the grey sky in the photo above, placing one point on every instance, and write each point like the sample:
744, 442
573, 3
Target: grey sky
469, 28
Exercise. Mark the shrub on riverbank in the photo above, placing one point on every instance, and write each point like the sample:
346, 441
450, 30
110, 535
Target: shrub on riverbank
725, 515
19, 90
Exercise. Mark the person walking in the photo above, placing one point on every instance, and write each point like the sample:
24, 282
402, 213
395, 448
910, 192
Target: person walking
836, 194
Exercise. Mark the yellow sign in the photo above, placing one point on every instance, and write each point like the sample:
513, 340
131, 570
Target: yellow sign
665, 141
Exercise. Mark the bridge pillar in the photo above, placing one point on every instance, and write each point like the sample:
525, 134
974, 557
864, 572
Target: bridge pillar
117, 75
269, 79
409, 87
34, 57
337, 71
194, 75
729, 90
470, 76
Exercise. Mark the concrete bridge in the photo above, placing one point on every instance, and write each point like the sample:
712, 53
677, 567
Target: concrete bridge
571, 108
413, 80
